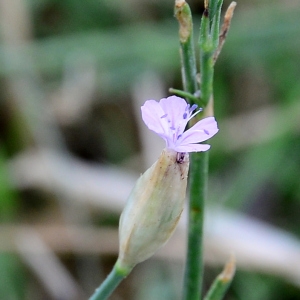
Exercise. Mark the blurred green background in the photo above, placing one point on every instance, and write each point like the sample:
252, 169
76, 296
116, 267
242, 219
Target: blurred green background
72, 77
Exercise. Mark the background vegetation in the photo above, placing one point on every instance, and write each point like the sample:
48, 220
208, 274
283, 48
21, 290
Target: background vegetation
73, 75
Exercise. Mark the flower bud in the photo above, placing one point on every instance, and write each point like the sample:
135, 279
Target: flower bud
153, 208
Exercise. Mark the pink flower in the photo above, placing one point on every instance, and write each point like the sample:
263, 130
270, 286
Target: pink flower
169, 117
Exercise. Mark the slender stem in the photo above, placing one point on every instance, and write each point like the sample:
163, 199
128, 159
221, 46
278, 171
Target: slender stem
215, 27
194, 263
198, 177
208, 44
206, 58
187, 95
207, 73
222, 282
108, 285
189, 66
187, 51
199, 161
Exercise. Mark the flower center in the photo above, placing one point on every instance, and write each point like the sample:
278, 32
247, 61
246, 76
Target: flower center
180, 157
178, 128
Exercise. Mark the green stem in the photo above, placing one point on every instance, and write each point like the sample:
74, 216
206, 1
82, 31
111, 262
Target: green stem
194, 263
215, 27
189, 96
198, 167
109, 284
206, 58
207, 74
208, 43
222, 282
187, 51
189, 74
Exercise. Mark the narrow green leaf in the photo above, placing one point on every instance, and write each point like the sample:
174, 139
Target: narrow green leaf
222, 282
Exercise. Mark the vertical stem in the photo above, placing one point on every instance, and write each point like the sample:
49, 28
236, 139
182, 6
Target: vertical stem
194, 263
187, 51
206, 58
207, 73
199, 174
199, 161
189, 73
208, 44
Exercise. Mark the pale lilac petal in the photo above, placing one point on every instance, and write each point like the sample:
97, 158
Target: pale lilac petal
173, 106
152, 114
201, 131
192, 148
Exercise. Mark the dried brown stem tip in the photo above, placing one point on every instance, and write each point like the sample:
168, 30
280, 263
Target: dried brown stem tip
183, 15
225, 27
229, 270
179, 3
206, 4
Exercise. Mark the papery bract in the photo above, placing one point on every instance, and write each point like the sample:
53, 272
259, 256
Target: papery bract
169, 117
153, 209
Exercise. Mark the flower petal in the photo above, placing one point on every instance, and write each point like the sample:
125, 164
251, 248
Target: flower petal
173, 106
192, 148
152, 114
201, 131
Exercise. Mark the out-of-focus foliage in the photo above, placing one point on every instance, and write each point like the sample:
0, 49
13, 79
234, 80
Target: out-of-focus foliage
258, 70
